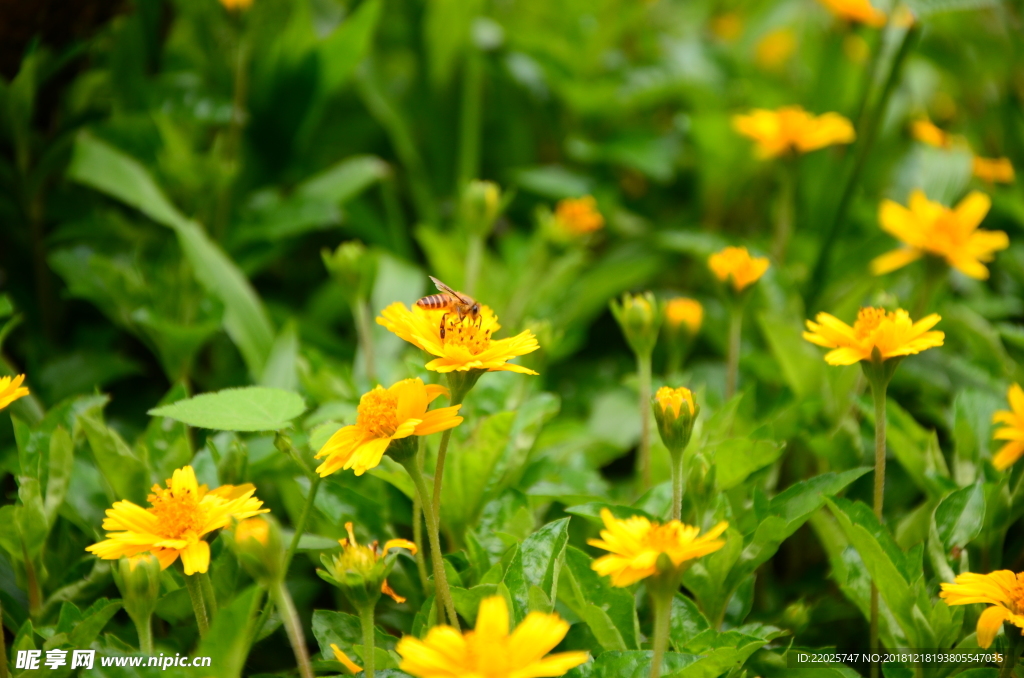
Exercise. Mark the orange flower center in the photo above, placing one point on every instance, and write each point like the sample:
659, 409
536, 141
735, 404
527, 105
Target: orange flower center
465, 332
662, 538
868, 320
378, 413
179, 516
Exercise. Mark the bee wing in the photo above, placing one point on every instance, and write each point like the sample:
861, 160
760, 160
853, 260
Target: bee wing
458, 295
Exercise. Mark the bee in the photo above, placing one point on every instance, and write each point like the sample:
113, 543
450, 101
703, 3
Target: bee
451, 302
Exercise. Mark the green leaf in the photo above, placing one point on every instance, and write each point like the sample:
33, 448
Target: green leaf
722, 654
469, 469
736, 459
630, 664
101, 166
281, 368
347, 179
800, 361
537, 562
610, 612
345, 631
467, 601
960, 516
592, 511
227, 642
917, 451
341, 52
254, 408
687, 621
61, 462
125, 472
92, 622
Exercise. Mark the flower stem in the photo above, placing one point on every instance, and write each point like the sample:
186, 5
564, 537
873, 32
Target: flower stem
643, 371
293, 627
369, 646
662, 619
208, 593
300, 526
474, 257
195, 594
145, 629
459, 385
785, 214
364, 328
732, 365
417, 538
878, 389
1013, 651
444, 595
678, 479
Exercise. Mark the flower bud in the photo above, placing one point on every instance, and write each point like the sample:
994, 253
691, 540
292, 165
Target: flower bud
257, 543
361, 571
353, 266
675, 411
481, 205
576, 217
138, 579
640, 317
684, 314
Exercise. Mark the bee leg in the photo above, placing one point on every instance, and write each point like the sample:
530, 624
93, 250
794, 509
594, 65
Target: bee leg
442, 324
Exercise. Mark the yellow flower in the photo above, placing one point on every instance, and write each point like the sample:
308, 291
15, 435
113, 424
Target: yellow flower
928, 227
892, 333
925, 131
682, 311
728, 26
859, 11
253, 528
672, 400
791, 128
490, 651
993, 170
1003, 590
385, 415
179, 516
467, 344
345, 661
636, 543
735, 265
775, 48
359, 565
578, 216
11, 389
1013, 431
236, 5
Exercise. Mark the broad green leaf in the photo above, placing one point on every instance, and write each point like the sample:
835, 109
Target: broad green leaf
630, 664
736, 459
722, 654
537, 563
610, 612
227, 642
92, 622
554, 181
347, 179
166, 442
280, 370
972, 431
800, 361
123, 470
254, 408
469, 469
61, 462
960, 516
687, 621
467, 601
345, 48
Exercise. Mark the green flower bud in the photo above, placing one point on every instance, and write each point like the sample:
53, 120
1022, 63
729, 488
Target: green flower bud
361, 571
353, 266
640, 317
138, 579
481, 205
675, 410
257, 544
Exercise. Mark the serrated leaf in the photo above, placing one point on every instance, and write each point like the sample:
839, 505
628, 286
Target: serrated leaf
253, 408
537, 563
960, 516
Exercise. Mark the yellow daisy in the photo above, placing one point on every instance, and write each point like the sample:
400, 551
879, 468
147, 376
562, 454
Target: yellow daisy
672, 400
791, 128
367, 562
684, 312
928, 227
1012, 431
892, 333
178, 518
490, 651
775, 49
11, 389
925, 131
860, 11
467, 343
1003, 590
993, 170
345, 661
635, 544
735, 265
578, 216
385, 415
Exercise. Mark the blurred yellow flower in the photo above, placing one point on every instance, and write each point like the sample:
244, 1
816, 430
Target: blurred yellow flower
925, 131
467, 344
1003, 590
860, 11
236, 5
578, 216
345, 661
728, 26
490, 651
891, 333
1012, 431
735, 265
636, 543
929, 227
253, 528
671, 400
11, 389
775, 48
993, 170
358, 563
682, 311
385, 415
178, 518
791, 128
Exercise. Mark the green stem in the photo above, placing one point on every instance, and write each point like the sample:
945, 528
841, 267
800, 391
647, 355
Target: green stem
678, 479
264, 615
436, 556
234, 136
1015, 644
369, 644
643, 370
457, 388
364, 328
300, 526
878, 389
785, 211
732, 365
934, 268
293, 627
866, 139
474, 257
195, 594
469, 130
145, 629
208, 593
417, 538
662, 621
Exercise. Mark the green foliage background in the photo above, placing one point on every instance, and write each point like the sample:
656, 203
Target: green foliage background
171, 176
